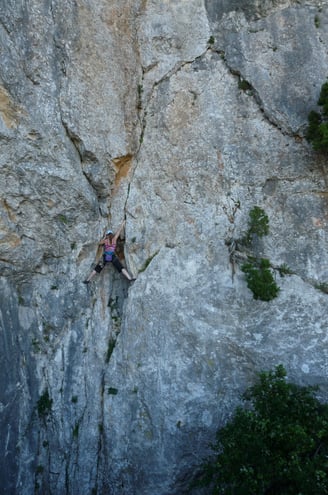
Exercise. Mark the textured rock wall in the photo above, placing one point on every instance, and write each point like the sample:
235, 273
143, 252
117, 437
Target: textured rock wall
111, 109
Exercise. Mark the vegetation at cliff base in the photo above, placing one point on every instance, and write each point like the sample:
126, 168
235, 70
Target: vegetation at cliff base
276, 445
317, 132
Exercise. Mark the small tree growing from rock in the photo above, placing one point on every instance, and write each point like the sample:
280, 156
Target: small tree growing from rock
260, 280
258, 225
317, 132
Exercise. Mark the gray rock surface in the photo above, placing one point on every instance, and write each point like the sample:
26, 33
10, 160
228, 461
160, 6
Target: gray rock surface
141, 110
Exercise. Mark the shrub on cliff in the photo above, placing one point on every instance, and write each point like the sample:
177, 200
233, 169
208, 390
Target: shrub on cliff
258, 273
277, 445
317, 132
260, 279
258, 225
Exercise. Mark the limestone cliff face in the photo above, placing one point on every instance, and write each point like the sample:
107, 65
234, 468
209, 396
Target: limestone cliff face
180, 116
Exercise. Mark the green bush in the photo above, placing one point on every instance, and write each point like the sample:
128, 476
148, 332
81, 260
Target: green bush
317, 131
112, 391
276, 445
260, 280
258, 224
284, 270
244, 85
44, 404
323, 286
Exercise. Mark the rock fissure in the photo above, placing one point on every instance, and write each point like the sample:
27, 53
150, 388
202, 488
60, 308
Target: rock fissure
143, 108
5, 27
74, 139
59, 48
251, 91
179, 66
89, 162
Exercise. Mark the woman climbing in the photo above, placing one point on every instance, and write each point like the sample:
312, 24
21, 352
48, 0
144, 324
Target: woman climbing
109, 256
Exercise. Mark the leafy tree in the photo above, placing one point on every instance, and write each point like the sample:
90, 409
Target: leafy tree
317, 132
276, 446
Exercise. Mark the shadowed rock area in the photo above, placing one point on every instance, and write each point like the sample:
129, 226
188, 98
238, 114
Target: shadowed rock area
179, 117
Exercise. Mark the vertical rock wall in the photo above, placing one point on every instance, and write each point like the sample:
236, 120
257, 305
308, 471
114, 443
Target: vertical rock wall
142, 110
68, 116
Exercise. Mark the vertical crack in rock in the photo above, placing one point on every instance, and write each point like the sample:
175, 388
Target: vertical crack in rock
143, 103
96, 173
61, 57
230, 210
100, 433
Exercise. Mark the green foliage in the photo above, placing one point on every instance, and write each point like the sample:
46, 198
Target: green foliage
277, 445
211, 40
317, 131
258, 224
148, 261
317, 21
323, 98
260, 280
244, 85
259, 276
44, 404
36, 345
62, 218
112, 391
39, 469
323, 286
284, 270
314, 119
76, 430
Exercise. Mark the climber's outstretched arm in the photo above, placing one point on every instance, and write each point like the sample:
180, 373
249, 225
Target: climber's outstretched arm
116, 235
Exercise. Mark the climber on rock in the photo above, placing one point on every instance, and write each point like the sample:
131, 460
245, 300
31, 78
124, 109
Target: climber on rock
109, 245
